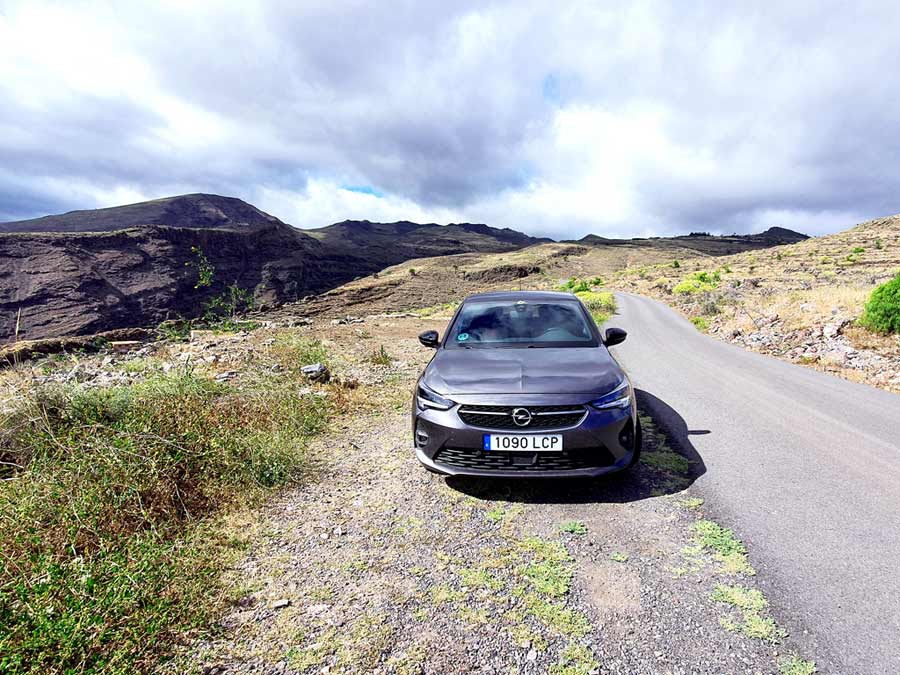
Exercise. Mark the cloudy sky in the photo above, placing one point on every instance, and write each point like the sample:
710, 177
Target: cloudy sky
555, 118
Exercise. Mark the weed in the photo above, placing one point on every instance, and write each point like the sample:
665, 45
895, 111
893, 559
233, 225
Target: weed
692, 502
573, 527
747, 599
557, 617
857, 250
794, 665
727, 548
666, 460
878, 244
618, 556
575, 659
676, 264
205, 269
700, 323
750, 602
495, 515
380, 357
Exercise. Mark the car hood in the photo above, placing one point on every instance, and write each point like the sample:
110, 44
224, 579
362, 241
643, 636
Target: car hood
570, 370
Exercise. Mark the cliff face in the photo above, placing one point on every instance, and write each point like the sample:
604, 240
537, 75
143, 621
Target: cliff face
66, 284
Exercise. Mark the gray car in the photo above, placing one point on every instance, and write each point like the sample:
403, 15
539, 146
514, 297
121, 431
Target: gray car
523, 384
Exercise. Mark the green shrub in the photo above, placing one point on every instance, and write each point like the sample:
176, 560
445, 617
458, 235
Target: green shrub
105, 527
700, 323
882, 311
601, 304
858, 249
698, 282
878, 244
676, 264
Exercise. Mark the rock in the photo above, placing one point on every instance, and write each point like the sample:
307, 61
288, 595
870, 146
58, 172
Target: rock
832, 330
346, 320
316, 372
124, 345
532, 655
281, 604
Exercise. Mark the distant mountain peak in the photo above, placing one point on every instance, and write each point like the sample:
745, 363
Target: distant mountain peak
194, 211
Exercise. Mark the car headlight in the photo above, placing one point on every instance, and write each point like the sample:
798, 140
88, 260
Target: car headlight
425, 398
620, 397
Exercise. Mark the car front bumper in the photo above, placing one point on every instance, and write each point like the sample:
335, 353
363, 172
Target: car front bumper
602, 442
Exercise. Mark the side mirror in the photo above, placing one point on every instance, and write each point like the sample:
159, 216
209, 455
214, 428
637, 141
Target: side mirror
430, 338
614, 336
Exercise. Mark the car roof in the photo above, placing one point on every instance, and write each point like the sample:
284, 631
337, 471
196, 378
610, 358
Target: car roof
532, 296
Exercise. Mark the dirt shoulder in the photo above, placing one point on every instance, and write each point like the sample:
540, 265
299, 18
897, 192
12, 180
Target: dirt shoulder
376, 565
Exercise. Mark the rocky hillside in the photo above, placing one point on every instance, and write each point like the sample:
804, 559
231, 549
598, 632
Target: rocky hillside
799, 301
90, 271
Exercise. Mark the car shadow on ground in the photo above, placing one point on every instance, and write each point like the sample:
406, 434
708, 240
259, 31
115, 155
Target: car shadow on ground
658, 473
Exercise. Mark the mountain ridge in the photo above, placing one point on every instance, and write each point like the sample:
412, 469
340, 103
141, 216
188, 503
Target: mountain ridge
89, 271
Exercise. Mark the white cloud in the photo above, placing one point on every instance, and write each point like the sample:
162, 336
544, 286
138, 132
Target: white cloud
661, 117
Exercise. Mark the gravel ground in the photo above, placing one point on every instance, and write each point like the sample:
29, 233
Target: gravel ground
376, 566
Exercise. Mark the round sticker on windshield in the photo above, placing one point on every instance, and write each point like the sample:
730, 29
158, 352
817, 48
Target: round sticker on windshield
462, 337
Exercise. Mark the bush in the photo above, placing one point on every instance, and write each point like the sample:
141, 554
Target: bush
601, 304
698, 282
882, 311
700, 323
108, 552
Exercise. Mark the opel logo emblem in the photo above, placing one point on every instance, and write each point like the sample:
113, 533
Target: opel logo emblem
521, 416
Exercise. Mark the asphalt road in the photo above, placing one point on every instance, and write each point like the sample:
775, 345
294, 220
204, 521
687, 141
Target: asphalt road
804, 466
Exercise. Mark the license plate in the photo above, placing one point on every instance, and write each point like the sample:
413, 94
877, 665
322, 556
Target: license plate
524, 442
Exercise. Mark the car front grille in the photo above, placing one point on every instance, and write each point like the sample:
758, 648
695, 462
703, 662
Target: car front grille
525, 462
542, 416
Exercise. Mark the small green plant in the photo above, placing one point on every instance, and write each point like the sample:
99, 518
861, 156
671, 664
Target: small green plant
573, 527
878, 244
380, 357
412, 271
601, 304
575, 659
676, 264
700, 323
224, 310
794, 665
858, 249
618, 556
882, 311
779, 256
727, 549
205, 269
698, 282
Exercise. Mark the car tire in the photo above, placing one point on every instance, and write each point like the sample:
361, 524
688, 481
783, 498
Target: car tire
638, 444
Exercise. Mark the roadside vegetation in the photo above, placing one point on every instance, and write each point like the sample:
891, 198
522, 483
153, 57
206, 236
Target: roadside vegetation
601, 304
882, 311
110, 504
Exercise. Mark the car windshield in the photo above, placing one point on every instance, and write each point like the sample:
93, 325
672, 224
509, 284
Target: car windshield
519, 323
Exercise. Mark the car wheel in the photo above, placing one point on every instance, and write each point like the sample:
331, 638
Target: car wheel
638, 444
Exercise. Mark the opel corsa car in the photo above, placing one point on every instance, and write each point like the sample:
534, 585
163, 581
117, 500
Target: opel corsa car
523, 384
